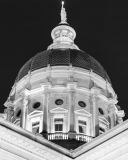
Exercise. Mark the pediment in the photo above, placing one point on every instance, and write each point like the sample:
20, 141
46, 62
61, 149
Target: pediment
35, 113
82, 112
58, 110
103, 120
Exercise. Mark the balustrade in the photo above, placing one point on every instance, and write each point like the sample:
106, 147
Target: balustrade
64, 136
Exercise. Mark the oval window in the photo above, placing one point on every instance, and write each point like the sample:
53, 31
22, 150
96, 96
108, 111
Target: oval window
18, 114
101, 111
82, 104
59, 102
36, 105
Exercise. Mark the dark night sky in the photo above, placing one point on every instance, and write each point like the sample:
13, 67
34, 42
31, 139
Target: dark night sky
101, 30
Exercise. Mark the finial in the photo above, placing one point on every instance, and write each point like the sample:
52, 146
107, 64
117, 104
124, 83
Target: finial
63, 14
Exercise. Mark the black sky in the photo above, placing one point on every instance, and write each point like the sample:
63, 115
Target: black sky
101, 30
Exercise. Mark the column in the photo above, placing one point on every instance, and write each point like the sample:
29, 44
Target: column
24, 112
9, 111
112, 116
52, 125
72, 132
45, 115
95, 117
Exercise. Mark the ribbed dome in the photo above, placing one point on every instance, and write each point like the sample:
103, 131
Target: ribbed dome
62, 57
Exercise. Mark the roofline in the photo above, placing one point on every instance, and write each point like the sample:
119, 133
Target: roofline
73, 153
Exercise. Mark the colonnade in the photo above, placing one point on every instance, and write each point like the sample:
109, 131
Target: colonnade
94, 122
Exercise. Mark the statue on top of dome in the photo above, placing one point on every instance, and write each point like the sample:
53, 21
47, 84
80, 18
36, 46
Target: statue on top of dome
63, 14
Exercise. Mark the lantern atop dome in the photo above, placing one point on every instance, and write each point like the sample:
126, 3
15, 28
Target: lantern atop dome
63, 35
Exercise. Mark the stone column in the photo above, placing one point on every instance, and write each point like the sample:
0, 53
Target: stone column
24, 112
120, 114
94, 112
9, 111
112, 116
72, 132
45, 115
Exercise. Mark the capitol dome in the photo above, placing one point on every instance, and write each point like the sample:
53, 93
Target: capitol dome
63, 57
63, 94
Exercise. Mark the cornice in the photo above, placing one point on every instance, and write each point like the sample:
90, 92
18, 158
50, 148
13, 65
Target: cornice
107, 148
12, 139
99, 146
103, 144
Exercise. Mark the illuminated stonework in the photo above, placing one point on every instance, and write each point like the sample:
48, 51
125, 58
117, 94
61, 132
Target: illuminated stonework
63, 95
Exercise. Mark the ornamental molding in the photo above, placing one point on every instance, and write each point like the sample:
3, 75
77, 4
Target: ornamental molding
23, 143
102, 145
35, 113
58, 110
83, 113
120, 113
106, 148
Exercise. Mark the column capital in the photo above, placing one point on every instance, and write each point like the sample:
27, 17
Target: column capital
72, 85
24, 93
46, 86
95, 91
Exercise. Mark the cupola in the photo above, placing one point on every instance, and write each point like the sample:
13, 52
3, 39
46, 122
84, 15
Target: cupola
63, 35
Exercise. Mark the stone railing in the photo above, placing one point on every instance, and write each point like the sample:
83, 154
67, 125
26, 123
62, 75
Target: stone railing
57, 136
81, 137
64, 136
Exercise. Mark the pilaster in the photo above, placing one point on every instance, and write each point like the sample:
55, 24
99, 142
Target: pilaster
24, 112
112, 115
72, 95
94, 111
45, 110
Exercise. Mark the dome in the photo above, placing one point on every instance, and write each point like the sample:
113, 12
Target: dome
62, 94
63, 57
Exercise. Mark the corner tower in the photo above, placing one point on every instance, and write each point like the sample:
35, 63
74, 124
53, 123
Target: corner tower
63, 93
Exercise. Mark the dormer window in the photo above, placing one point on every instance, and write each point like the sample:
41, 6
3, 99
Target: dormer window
58, 125
82, 126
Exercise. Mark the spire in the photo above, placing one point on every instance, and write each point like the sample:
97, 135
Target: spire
63, 35
63, 14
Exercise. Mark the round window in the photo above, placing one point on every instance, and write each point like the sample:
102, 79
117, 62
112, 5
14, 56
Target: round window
101, 111
36, 105
18, 114
82, 104
59, 102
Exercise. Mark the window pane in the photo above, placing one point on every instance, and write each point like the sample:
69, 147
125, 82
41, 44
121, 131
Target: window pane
82, 129
35, 130
58, 127
82, 122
